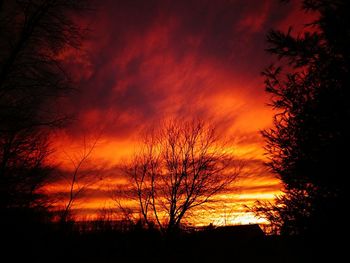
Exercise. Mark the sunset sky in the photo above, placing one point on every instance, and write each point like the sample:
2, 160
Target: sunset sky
146, 61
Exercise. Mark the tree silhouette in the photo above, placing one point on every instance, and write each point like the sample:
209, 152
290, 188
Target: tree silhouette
32, 35
308, 146
182, 165
83, 175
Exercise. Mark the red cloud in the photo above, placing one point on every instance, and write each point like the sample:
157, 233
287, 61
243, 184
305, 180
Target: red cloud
149, 60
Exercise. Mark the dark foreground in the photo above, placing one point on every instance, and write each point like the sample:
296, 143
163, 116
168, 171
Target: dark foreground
100, 244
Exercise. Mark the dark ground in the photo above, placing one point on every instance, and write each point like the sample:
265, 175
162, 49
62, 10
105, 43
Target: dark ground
53, 243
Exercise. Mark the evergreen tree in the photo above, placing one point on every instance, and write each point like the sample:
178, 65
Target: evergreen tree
309, 144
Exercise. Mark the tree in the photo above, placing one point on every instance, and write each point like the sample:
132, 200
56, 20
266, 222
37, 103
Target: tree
82, 176
32, 35
181, 166
23, 170
308, 146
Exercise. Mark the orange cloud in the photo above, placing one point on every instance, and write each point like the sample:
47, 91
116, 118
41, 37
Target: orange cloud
146, 62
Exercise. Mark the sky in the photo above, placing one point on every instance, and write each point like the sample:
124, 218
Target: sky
146, 61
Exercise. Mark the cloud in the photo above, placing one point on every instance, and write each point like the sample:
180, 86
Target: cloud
149, 60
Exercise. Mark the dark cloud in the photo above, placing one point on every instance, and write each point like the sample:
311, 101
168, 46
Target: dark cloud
144, 56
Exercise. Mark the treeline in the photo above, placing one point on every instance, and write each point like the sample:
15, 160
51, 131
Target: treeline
102, 241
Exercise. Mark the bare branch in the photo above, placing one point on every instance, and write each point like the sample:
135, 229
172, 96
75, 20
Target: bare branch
182, 165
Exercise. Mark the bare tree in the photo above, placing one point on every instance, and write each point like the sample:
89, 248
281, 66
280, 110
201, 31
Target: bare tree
23, 169
181, 166
82, 176
32, 35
